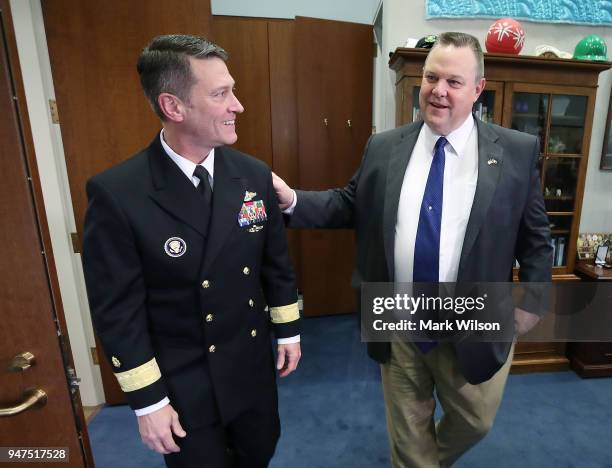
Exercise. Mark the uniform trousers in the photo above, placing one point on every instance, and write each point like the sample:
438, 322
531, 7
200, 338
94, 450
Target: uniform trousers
409, 380
248, 441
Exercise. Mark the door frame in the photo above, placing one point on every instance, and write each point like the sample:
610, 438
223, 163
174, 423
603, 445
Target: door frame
46, 149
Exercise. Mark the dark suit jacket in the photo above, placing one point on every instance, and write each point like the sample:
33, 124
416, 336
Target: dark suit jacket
151, 307
508, 220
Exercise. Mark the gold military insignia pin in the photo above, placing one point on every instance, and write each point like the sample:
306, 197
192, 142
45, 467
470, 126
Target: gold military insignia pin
255, 228
492, 162
248, 196
116, 362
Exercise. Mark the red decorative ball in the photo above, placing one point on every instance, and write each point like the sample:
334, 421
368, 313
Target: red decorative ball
505, 36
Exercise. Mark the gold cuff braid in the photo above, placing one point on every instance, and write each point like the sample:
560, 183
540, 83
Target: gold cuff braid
139, 377
285, 314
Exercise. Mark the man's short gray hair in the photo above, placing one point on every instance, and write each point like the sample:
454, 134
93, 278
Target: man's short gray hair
164, 66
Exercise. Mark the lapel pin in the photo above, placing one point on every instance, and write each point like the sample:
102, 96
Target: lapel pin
492, 162
248, 196
175, 247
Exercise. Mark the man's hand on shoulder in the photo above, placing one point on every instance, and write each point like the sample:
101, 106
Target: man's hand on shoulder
288, 358
156, 430
283, 192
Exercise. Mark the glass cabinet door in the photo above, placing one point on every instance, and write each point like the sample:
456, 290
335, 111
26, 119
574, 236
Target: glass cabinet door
488, 107
567, 124
529, 112
558, 120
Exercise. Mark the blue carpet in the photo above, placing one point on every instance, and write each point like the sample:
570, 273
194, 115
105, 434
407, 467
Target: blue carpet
332, 415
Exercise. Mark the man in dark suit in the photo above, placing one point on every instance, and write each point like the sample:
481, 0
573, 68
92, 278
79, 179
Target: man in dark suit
186, 265
450, 199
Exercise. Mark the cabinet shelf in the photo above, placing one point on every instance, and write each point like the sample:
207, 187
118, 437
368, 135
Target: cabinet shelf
560, 213
549, 156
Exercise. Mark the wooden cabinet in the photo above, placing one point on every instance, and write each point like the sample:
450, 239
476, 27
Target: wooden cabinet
593, 359
554, 100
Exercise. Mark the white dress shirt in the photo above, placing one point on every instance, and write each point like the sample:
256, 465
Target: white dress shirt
460, 177
188, 167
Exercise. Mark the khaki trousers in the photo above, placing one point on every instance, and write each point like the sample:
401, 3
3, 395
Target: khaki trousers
409, 380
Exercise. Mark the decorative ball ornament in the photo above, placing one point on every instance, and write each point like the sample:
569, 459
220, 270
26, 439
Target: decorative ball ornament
505, 36
591, 47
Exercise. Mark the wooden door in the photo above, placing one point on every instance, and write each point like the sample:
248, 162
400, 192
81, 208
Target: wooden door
262, 61
246, 41
334, 63
104, 116
30, 308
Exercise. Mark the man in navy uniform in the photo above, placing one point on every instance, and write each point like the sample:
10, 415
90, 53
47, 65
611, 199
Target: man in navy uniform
186, 264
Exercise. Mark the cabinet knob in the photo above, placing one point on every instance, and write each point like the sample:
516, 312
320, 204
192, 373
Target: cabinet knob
325, 121
348, 123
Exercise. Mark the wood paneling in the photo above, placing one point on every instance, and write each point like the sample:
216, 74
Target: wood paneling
283, 104
105, 118
334, 86
263, 65
246, 41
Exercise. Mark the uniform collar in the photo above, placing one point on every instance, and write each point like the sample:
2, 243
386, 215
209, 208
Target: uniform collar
185, 165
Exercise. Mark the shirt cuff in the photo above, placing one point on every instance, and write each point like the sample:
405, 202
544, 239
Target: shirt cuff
151, 408
289, 210
291, 339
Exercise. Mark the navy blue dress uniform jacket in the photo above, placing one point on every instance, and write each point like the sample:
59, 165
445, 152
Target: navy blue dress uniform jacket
508, 220
180, 308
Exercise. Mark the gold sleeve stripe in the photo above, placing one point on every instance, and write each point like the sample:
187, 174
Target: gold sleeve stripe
139, 377
285, 314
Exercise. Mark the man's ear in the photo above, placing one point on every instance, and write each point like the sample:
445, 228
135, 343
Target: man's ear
480, 86
171, 106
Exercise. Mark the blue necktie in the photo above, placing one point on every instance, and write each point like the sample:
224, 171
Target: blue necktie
426, 267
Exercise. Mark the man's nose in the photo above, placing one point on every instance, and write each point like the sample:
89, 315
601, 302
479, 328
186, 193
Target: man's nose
235, 106
440, 90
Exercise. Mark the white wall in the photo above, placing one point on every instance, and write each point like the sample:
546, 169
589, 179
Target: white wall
403, 19
355, 11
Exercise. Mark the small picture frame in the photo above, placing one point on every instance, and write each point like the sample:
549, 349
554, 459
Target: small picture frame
600, 256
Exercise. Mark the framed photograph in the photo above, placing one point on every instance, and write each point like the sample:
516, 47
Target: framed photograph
606, 151
601, 254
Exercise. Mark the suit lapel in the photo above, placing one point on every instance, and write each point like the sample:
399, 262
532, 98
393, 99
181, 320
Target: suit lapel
490, 162
228, 196
398, 161
173, 191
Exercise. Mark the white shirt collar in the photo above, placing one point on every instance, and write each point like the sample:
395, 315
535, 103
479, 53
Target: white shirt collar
185, 164
457, 139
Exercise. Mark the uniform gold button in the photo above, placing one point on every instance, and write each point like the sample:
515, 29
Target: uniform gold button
209, 318
253, 333
251, 302
206, 284
246, 270
212, 349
